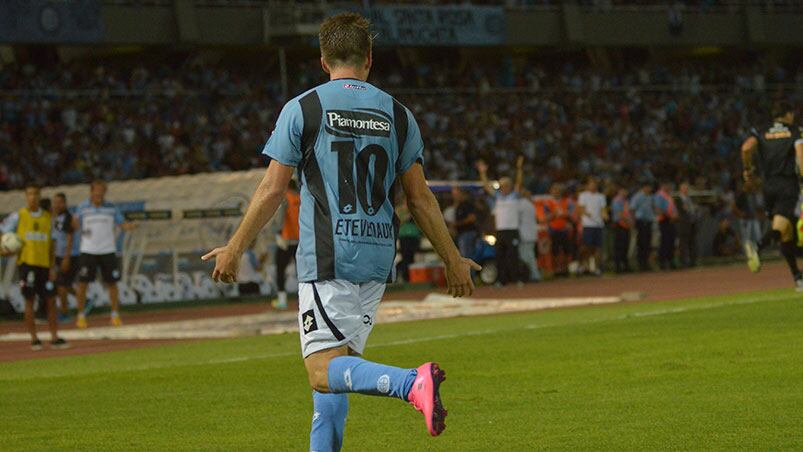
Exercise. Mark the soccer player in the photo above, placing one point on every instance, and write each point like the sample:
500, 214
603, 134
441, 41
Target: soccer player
351, 142
779, 151
97, 220
35, 260
66, 252
287, 242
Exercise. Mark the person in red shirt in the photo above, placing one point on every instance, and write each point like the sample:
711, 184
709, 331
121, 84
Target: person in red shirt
559, 210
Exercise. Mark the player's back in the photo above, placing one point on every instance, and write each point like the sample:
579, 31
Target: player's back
349, 140
776, 150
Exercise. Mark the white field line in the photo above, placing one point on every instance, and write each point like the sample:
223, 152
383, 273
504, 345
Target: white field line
238, 359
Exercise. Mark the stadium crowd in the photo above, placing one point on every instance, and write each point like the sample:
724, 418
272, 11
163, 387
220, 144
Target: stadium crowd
634, 127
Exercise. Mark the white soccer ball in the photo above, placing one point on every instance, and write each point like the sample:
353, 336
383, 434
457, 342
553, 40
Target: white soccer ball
11, 242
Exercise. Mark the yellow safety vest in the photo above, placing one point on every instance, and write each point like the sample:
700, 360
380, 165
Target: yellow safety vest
35, 234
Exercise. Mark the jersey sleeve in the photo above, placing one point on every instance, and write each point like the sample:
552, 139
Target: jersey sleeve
284, 144
10, 223
119, 218
413, 150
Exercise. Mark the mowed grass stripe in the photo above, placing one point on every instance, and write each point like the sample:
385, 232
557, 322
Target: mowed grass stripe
725, 376
220, 353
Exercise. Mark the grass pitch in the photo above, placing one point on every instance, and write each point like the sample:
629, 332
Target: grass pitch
707, 373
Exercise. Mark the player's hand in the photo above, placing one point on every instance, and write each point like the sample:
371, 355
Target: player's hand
5, 252
65, 264
227, 264
458, 277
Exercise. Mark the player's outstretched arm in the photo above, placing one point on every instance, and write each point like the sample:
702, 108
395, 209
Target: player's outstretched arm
799, 155
267, 198
749, 147
427, 215
482, 169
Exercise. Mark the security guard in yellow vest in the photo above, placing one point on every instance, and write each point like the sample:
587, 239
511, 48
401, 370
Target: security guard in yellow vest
35, 263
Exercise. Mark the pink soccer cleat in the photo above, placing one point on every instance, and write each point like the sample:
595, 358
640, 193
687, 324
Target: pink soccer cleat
424, 396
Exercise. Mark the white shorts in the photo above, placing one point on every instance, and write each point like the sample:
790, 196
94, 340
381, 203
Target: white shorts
335, 313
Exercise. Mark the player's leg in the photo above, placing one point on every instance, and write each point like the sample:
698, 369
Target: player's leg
87, 271
110, 273
28, 289
332, 321
114, 301
282, 260
784, 227
46, 290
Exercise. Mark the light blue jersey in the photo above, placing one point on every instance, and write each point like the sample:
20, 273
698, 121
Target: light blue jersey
97, 225
349, 141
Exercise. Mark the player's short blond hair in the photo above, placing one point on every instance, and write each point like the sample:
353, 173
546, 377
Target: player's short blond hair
345, 40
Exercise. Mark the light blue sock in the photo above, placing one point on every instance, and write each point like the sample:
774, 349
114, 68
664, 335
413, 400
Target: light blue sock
328, 421
352, 374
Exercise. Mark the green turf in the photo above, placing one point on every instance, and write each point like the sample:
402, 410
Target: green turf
715, 373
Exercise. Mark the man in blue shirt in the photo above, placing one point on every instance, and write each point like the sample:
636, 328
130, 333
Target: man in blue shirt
642, 205
351, 143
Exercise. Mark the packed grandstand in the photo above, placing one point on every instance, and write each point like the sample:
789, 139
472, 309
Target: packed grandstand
71, 122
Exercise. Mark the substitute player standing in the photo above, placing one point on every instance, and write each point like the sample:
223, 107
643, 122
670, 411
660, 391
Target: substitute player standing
36, 269
97, 220
779, 148
351, 142
66, 252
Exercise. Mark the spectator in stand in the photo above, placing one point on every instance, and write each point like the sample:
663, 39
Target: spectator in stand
622, 223
643, 207
667, 215
726, 243
688, 216
465, 222
506, 222
559, 211
592, 209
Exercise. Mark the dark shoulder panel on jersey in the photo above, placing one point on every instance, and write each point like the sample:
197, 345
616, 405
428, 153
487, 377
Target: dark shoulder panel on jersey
400, 122
312, 112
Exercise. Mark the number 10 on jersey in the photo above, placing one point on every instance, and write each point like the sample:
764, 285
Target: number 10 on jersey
365, 177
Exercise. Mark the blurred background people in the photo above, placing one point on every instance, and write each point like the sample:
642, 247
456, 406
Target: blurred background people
287, 242
643, 207
622, 223
592, 209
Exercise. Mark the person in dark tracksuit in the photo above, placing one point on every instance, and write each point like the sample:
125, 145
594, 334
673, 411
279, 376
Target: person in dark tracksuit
643, 207
667, 215
622, 223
